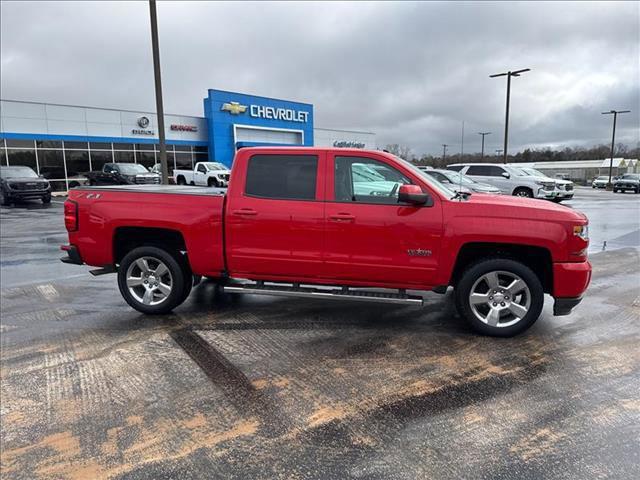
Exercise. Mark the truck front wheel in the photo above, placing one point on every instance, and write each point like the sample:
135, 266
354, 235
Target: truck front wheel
152, 280
499, 297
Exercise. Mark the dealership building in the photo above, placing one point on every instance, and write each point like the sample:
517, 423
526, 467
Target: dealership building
61, 142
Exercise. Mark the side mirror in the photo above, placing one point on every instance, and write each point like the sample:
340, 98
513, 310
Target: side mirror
506, 174
413, 194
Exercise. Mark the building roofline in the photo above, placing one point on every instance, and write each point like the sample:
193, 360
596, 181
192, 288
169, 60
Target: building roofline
259, 96
342, 130
96, 108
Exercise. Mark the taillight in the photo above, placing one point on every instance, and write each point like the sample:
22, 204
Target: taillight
71, 215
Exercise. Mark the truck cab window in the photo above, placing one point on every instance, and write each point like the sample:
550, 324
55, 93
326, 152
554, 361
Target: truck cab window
365, 180
290, 177
202, 169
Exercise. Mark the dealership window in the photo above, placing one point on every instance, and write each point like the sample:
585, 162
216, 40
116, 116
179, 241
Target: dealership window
75, 145
23, 157
123, 157
123, 146
51, 164
204, 150
3, 153
99, 158
99, 146
282, 176
145, 147
485, 170
146, 158
50, 144
77, 162
183, 161
14, 143
198, 157
363, 180
182, 148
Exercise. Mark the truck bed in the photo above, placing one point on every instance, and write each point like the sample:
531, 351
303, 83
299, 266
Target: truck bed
108, 214
168, 189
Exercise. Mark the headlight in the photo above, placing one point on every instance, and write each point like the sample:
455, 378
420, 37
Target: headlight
546, 185
581, 231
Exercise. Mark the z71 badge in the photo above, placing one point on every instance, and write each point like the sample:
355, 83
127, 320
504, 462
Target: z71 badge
419, 252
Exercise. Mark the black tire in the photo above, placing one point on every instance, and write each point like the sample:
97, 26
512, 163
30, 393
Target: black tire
212, 182
5, 201
615, 190
188, 278
475, 271
178, 288
523, 192
181, 180
46, 200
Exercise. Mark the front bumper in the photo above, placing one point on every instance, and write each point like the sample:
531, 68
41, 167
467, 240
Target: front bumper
570, 281
546, 194
564, 194
24, 194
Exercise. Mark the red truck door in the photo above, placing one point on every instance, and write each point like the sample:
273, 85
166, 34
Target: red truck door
370, 237
275, 215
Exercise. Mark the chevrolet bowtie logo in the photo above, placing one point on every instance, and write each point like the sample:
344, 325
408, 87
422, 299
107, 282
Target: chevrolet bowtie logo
234, 108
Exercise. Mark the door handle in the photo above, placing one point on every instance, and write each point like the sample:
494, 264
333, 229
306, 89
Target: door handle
245, 211
342, 217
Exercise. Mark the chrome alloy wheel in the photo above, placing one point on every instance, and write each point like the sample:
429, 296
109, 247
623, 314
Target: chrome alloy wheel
149, 281
500, 299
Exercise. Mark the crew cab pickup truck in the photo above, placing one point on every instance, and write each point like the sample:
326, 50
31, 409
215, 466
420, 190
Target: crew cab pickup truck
210, 174
306, 222
122, 174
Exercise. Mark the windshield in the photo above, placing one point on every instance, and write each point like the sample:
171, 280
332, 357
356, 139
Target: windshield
457, 178
631, 176
602, 177
532, 171
430, 180
215, 166
132, 168
17, 172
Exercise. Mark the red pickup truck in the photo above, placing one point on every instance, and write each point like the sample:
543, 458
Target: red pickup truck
334, 223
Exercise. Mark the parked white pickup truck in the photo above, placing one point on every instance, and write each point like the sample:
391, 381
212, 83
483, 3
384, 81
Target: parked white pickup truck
210, 174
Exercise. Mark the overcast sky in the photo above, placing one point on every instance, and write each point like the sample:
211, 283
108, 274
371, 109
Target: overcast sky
411, 72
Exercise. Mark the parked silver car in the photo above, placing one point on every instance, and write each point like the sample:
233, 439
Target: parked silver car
508, 179
458, 182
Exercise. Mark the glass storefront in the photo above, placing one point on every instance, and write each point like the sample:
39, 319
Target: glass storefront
63, 163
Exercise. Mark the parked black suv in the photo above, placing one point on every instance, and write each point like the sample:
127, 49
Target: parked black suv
21, 183
628, 181
122, 174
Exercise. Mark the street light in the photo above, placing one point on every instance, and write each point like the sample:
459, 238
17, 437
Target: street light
613, 137
483, 135
509, 74
444, 151
159, 107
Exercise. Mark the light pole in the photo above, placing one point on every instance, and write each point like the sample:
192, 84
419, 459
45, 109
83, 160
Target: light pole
483, 135
444, 151
509, 74
498, 151
613, 138
159, 107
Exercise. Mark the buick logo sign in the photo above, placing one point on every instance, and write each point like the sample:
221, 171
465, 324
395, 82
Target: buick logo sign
143, 122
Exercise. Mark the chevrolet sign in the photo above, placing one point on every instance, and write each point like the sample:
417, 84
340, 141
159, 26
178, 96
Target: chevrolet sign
273, 113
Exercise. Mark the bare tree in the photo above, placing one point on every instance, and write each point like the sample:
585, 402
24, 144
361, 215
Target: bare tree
399, 151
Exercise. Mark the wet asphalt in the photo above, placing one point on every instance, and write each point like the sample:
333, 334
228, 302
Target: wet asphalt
258, 387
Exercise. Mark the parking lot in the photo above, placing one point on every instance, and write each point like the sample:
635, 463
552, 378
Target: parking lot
259, 387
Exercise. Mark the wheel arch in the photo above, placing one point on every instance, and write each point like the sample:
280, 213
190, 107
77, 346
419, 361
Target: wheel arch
126, 239
536, 258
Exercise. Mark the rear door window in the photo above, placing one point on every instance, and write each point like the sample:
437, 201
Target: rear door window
485, 171
290, 177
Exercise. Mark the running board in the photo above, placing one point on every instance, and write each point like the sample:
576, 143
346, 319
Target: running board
334, 294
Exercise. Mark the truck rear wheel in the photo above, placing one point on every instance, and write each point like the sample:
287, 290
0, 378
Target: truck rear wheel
499, 297
152, 281
181, 180
523, 192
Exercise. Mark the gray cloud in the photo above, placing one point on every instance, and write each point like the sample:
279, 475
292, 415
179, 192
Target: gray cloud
411, 72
